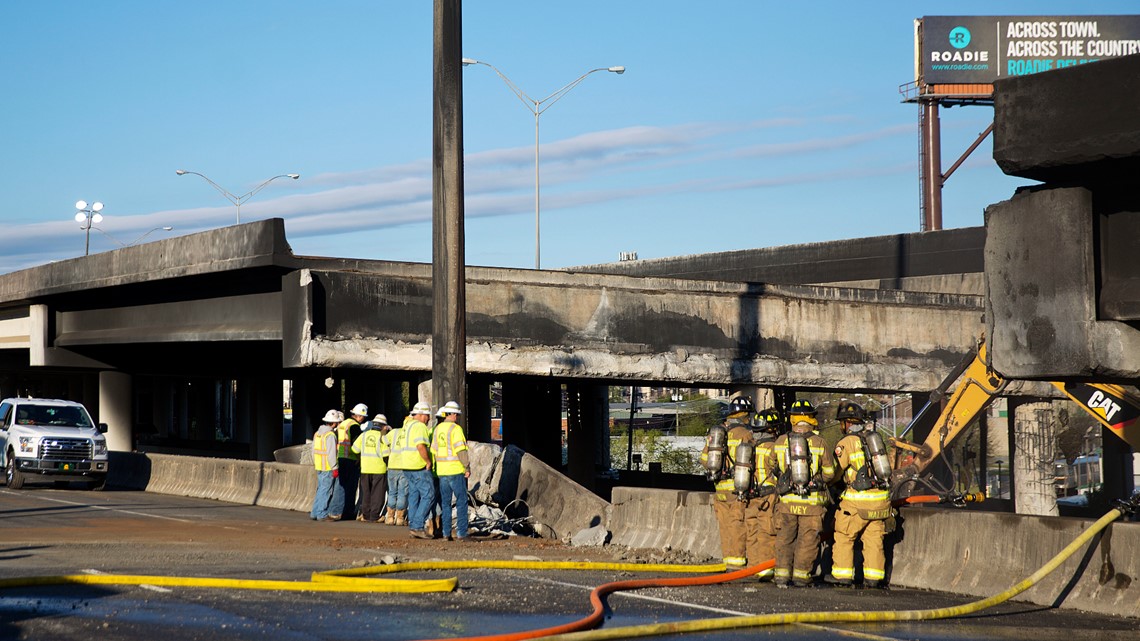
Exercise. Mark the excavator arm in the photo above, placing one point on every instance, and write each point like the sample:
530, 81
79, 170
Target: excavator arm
1114, 406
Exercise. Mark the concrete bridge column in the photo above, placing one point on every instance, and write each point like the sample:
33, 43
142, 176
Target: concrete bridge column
587, 439
1034, 451
311, 399
263, 395
115, 409
477, 419
532, 418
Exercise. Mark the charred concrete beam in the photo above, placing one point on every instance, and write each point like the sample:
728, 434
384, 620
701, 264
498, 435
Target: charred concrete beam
622, 328
1074, 125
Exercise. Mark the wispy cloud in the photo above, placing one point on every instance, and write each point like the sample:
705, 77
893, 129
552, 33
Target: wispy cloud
500, 182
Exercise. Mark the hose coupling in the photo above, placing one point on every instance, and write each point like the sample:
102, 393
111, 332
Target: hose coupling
1129, 506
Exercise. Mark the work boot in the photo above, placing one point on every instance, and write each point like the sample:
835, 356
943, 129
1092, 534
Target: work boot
389, 517
827, 578
401, 517
782, 583
801, 583
429, 528
872, 584
420, 534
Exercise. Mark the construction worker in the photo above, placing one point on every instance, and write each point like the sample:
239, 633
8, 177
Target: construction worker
369, 446
397, 508
865, 504
344, 493
453, 468
727, 506
806, 466
324, 460
759, 511
413, 443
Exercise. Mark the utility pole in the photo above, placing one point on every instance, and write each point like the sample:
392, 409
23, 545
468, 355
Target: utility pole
449, 290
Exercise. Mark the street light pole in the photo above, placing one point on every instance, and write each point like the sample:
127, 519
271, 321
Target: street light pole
236, 200
135, 241
537, 107
88, 216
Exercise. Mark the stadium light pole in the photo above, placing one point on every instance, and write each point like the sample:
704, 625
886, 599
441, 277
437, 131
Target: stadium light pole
88, 216
536, 107
236, 200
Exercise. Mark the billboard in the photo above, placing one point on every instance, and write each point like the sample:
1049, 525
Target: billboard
981, 49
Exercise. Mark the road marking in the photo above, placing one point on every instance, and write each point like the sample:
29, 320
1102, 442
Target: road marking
153, 588
95, 507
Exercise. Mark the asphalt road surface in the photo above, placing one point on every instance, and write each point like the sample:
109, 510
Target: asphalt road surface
47, 531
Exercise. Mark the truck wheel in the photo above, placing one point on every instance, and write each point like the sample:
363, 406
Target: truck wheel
98, 485
14, 477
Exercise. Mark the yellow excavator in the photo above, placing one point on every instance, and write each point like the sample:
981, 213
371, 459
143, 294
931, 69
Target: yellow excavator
1114, 406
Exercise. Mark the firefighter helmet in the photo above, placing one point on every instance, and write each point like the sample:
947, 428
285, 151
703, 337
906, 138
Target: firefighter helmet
802, 406
740, 405
770, 421
850, 411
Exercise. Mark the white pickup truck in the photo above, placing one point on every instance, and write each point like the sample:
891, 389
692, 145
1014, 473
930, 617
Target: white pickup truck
52, 440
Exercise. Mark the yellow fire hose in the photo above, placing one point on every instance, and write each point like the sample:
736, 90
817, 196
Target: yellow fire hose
352, 580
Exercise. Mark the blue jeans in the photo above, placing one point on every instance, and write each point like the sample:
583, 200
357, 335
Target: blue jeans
397, 490
336, 505
421, 495
454, 485
323, 496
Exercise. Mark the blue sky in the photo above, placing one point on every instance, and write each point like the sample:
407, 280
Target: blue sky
737, 124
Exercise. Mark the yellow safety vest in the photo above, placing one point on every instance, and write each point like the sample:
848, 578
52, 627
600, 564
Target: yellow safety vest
324, 451
446, 443
344, 439
405, 454
370, 446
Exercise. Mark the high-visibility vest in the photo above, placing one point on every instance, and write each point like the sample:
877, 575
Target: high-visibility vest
370, 447
324, 451
405, 451
344, 439
446, 443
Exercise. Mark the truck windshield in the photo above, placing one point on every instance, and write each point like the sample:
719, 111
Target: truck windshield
60, 416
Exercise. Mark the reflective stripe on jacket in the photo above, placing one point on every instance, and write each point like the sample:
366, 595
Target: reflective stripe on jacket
851, 458
324, 450
446, 443
405, 453
370, 447
344, 436
822, 467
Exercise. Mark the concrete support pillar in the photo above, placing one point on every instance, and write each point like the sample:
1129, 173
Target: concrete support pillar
587, 433
477, 420
115, 409
1035, 450
264, 399
311, 399
532, 418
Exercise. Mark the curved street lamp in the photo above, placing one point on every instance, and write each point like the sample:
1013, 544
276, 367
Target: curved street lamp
88, 216
236, 200
135, 241
536, 107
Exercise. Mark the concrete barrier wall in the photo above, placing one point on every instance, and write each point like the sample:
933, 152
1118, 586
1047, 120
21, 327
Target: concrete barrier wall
984, 553
277, 485
665, 519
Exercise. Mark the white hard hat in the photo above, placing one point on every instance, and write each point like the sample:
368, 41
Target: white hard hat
421, 408
360, 410
450, 407
332, 416
380, 419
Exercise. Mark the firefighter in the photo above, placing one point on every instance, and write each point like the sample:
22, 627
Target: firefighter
806, 465
759, 523
718, 457
865, 504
